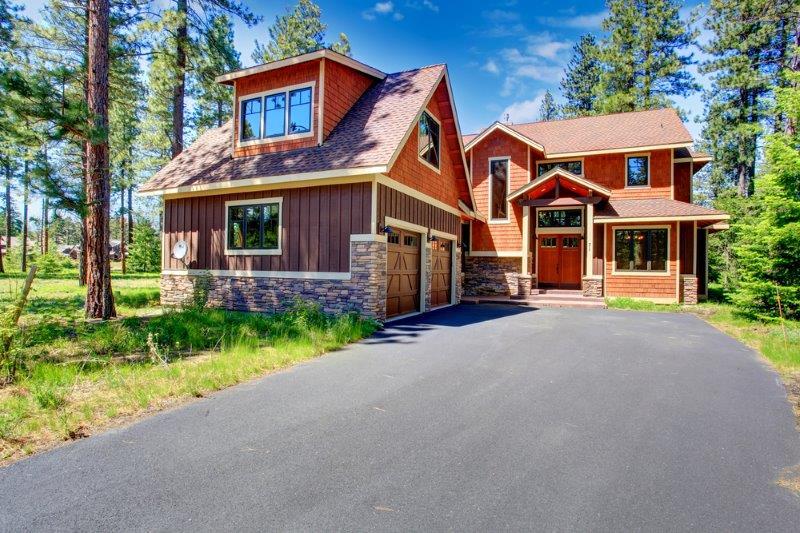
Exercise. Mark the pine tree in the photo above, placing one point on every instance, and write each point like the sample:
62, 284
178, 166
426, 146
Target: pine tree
581, 78
548, 110
299, 31
744, 59
643, 63
212, 100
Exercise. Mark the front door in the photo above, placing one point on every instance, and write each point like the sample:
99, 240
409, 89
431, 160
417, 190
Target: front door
559, 261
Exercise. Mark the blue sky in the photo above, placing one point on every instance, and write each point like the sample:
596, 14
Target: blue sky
502, 55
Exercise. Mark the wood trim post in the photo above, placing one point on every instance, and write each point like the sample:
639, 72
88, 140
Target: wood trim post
589, 238
526, 238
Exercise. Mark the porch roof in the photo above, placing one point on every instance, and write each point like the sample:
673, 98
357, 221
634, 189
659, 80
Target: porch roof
539, 185
655, 209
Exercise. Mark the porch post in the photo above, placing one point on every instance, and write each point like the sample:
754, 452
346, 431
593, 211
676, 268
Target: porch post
526, 239
589, 238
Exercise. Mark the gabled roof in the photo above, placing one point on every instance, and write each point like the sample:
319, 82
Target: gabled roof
656, 208
229, 77
475, 139
560, 172
365, 141
618, 132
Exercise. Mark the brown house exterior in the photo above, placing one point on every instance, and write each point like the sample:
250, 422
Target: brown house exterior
338, 183
601, 204
334, 182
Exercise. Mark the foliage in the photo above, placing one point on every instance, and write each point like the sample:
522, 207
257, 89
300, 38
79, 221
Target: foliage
53, 263
548, 110
299, 31
643, 63
581, 76
144, 253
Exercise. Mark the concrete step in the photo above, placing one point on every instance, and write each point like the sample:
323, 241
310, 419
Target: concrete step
539, 301
587, 303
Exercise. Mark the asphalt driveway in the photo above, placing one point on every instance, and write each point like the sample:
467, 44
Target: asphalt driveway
467, 419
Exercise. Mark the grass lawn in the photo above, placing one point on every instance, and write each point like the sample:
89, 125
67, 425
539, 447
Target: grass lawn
76, 378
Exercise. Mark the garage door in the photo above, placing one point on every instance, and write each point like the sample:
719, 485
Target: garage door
441, 272
402, 293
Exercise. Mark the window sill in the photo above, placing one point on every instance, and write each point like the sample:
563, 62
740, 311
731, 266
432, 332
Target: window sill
637, 186
253, 252
435, 169
499, 221
645, 273
272, 140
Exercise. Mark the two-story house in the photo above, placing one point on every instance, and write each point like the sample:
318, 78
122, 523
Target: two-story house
334, 182
341, 184
600, 204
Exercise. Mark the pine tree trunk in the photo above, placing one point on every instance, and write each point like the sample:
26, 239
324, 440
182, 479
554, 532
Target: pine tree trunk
179, 89
7, 165
45, 225
122, 228
82, 255
794, 65
25, 194
99, 298
219, 113
130, 215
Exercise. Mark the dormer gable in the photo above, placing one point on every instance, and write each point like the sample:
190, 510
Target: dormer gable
295, 102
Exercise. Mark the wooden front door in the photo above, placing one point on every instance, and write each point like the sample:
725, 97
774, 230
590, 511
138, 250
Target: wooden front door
559, 261
402, 271
441, 272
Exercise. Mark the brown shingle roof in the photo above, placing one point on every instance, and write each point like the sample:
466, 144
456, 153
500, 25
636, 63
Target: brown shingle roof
367, 136
654, 208
605, 132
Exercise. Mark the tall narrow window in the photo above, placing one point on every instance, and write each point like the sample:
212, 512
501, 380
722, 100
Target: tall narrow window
429, 139
275, 123
300, 111
251, 119
637, 171
498, 189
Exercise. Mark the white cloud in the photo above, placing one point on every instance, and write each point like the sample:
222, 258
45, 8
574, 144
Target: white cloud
398, 16
491, 67
425, 4
590, 21
430, 5
383, 7
500, 15
523, 111
368, 15
544, 45
546, 73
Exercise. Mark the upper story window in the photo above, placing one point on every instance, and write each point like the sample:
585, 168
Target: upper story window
429, 140
637, 171
575, 167
275, 115
253, 227
560, 218
498, 189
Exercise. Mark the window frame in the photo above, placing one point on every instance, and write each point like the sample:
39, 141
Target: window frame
630, 156
275, 138
490, 180
566, 230
250, 202
242, 103
439, 148
657, 273
560, 160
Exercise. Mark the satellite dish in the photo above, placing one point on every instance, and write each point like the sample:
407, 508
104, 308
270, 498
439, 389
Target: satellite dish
179, 250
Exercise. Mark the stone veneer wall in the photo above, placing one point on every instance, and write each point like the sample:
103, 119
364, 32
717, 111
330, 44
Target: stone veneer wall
484, 276
364, 292
689, 289
592, 286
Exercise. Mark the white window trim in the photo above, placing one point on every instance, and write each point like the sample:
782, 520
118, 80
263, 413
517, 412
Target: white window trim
535, 169
507, 219
628, 156
550, 231
439, 148
286, 137
256, 201
635, 273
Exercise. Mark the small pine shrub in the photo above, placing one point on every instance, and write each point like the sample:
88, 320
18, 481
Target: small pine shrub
144, 253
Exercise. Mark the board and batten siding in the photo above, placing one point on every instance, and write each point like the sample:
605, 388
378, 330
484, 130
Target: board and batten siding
396, 204
315, 236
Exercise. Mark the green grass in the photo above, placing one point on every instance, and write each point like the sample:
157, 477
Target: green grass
79, 377
765, 334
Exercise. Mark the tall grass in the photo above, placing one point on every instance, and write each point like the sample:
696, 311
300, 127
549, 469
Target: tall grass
79, 377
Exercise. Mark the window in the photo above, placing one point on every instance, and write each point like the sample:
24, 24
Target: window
570, 242
549, 242
429, 140
640, 250
254, 226
560, 218
637, 171
300, 111
251, 119
275, 125
277, 114
410, 240
393, 238
498, 188
576, 167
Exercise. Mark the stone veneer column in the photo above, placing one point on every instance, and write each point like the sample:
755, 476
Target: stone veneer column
428, 274
689, 289
592, 286
459, 275
525, 283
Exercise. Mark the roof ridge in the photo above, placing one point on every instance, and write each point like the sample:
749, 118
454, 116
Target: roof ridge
592, 116
417, 69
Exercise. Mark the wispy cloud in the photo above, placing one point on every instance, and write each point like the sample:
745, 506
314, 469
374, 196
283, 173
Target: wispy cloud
491, 67
424, 4
543, 45
589, 21
524, 110
382, 9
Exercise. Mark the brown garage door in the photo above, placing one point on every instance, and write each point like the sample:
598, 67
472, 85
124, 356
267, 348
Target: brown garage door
441, 265
402, 293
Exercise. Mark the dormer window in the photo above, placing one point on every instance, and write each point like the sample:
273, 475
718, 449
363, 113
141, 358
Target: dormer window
429, 140
276, 115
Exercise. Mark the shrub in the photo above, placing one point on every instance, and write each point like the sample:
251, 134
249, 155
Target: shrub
53, 263
144, 253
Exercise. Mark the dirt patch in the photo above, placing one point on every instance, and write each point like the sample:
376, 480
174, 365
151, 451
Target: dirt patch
790, 479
